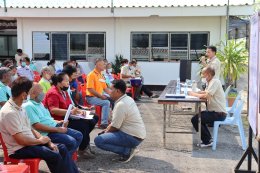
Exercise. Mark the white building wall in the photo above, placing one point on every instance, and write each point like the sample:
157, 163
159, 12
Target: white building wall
118, 37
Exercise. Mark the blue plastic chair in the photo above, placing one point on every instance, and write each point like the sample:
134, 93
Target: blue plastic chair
226, 94
231, 110
234, 120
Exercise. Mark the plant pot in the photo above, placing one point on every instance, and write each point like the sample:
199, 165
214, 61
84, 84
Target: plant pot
231, 101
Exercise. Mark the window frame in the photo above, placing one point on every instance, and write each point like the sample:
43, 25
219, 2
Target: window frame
68, 43
150, 59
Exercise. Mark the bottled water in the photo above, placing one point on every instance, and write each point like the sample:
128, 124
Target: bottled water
178, 86
185, 89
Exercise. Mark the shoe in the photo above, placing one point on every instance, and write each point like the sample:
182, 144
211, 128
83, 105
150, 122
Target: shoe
154, 96
90, 150
103, 126
86, 154
202, 145
127, 158
137, 99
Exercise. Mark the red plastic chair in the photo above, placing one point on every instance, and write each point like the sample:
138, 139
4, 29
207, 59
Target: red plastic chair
99, 112
32, 163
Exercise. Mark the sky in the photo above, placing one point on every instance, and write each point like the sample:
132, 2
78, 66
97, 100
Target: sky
105, 3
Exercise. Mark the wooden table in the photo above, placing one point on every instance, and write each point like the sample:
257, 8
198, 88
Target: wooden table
14, 168
167, 102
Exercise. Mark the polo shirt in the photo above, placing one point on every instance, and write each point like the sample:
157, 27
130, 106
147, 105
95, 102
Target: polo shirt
13, 120
127, 118
216, 96
37, 113
5, 92
56, 99
96, 81
26, 72
46, 85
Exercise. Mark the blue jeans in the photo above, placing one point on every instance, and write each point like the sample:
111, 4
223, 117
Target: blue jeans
117, 142
105, 104
72, 139
85, 127
57, 161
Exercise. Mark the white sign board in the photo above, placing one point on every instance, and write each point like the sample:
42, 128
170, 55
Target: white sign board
253, 108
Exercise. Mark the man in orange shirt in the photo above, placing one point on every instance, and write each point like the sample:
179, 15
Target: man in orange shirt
96, 86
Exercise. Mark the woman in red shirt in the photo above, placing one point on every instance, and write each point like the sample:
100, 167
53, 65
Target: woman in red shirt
57, 101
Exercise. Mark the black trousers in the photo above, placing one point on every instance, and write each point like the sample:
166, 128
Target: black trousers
146, 91
85, 127
207, 117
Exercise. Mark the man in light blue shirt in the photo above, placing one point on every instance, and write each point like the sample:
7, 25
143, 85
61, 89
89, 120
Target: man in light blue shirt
5, 80
41, 120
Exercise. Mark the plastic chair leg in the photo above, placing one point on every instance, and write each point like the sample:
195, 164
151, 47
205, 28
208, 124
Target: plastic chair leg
215, 135
242, 134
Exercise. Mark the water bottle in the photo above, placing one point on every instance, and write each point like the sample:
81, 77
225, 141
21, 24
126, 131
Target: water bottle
185, 89
178, 87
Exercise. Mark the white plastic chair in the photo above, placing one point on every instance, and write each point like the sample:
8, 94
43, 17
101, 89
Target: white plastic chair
226, 94
234, 120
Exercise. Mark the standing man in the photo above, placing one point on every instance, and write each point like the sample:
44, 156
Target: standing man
20, 55
22, 141
96, 86
216, 104
25, 71
212, 60
127, 129
5, 81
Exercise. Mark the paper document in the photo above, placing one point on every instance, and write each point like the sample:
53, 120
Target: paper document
67, 114
87, 116
191, 97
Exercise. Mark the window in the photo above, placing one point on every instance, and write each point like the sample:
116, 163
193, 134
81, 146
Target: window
179, 46
59, 46
167, 46
64, 46
160, 48
78, 46
140, 47
198, 42
41, 45
96, 46
8, 46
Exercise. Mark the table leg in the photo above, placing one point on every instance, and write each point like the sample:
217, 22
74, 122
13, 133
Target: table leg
199, 121
164, 124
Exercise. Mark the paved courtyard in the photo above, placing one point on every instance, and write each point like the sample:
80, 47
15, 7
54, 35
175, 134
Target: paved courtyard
181, 155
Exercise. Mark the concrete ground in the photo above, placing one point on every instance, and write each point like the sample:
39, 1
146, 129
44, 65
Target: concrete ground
181, 155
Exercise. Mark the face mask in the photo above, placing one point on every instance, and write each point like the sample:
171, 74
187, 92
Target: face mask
109, 70
64, 88
39, 98
28, 97
203, 80
23, 64
103, 72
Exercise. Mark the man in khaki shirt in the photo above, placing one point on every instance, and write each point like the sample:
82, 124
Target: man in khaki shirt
216, 104
127, 129
212, 61
22, 141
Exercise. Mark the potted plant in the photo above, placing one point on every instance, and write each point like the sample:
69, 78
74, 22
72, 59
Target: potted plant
117, 64
234, 60
234, 63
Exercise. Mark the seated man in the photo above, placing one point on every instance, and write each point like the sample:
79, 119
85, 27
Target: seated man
216, 105
42, 121
24, 142
5, 81
96, 85
25, 71
127, 129
127, 72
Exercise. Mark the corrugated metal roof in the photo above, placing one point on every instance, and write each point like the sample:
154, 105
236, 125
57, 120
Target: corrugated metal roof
118, 3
